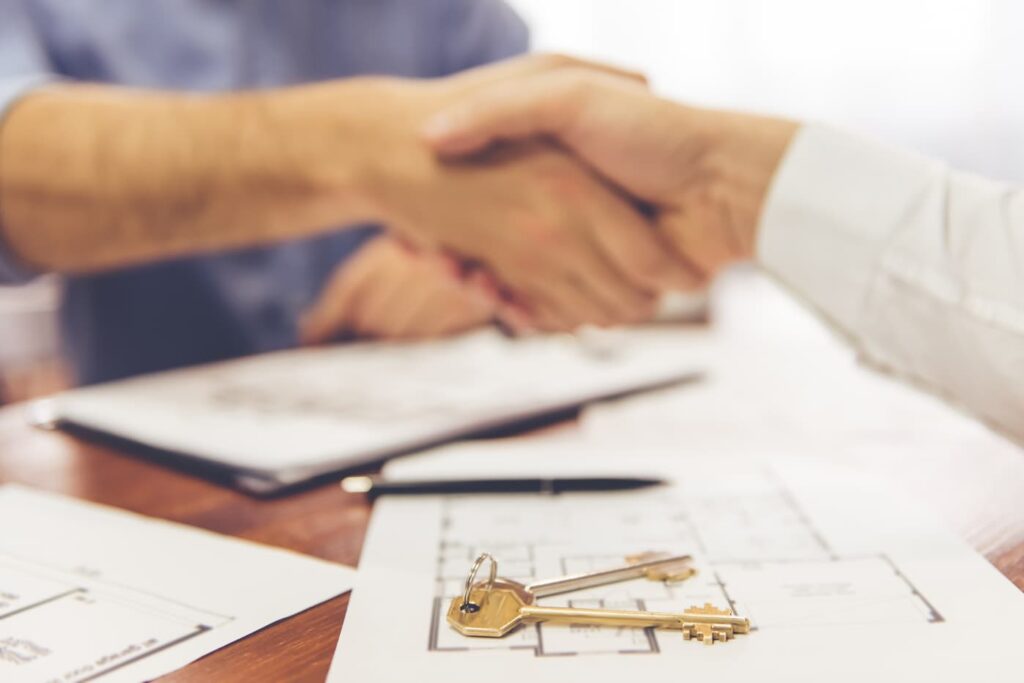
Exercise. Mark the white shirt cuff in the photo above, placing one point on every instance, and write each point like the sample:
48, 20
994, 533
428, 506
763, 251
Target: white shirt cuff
835, 202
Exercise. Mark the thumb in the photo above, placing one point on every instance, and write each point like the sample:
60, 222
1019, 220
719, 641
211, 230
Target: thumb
505, 111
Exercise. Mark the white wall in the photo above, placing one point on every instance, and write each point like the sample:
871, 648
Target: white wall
940, 76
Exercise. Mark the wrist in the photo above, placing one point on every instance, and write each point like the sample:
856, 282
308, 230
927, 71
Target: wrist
746, 151
335, 143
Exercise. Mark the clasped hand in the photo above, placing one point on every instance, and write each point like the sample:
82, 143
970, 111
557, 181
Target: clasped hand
581, 194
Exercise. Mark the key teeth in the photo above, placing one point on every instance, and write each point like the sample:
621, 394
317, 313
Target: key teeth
707, 633
675, 572
710, 633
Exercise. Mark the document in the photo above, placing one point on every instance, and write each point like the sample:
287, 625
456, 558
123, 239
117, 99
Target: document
784, 399
285, 417
843, 578
93, 593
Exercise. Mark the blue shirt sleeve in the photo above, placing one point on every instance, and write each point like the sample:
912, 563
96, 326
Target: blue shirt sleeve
483, 31
23, 66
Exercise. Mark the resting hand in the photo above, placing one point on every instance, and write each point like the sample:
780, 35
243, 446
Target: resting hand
706, 173
387, 291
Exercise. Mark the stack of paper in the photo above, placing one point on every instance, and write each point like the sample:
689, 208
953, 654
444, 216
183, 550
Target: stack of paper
88, 592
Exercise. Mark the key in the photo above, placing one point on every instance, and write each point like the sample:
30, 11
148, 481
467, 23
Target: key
653, 566
708, 633
669, 569
499, 610
495, 607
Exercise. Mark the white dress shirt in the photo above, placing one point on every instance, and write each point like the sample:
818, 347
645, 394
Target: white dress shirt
919, 266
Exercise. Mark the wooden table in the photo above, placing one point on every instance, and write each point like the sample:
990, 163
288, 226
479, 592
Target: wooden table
324, 522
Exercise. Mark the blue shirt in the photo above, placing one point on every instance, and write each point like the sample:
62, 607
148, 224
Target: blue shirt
208, 308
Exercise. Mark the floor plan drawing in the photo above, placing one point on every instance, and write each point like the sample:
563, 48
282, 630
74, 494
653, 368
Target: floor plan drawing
96, 593
755, 550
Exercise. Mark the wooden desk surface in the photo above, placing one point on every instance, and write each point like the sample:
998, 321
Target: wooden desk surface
323, 522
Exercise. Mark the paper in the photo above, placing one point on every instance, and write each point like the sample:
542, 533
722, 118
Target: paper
295, 414
784, 398
93, 593
842, 577
776, 379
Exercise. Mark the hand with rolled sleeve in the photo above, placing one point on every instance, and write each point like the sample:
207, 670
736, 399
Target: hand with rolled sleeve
149, 175
920, 267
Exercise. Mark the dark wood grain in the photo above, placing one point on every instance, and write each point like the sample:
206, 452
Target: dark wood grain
324, 522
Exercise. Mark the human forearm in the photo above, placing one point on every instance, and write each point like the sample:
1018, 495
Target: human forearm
705, 172
915, 264
96, 177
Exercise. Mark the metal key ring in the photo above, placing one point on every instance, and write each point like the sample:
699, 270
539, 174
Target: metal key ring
466, 605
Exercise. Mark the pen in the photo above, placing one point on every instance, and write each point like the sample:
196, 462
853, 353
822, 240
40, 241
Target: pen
376, 486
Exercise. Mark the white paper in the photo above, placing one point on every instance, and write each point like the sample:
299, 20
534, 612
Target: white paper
844, 578
785, 398
775, 379
295, 413
89, 592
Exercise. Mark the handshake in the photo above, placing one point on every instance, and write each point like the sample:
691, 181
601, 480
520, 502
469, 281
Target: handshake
565, 191
545, 191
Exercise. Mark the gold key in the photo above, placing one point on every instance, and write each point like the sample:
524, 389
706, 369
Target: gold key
493, 608
649, 565
667, 569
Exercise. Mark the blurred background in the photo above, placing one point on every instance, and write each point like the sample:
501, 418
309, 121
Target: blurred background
933, 76
936, 77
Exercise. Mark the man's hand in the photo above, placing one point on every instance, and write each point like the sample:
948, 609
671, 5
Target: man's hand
388, 291
566, 246
149, 175
706, 173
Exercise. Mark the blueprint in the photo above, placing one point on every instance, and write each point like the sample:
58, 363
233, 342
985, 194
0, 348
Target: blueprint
90, 593
826, 565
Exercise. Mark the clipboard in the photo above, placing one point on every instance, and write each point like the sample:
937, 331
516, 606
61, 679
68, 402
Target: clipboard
272, 424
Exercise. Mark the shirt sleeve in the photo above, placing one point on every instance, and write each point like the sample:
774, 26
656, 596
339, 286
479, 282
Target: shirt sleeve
920, 267
24, 66
480, 32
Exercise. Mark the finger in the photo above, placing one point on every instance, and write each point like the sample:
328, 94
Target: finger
424, 301
454, 310
620, 301
330, 316
392, 298
564, 304
545, 318
516, 319
485, 286
637, 252
700, 233
478, 305
435, 286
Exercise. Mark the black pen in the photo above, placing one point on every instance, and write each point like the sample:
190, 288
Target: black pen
376, 486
